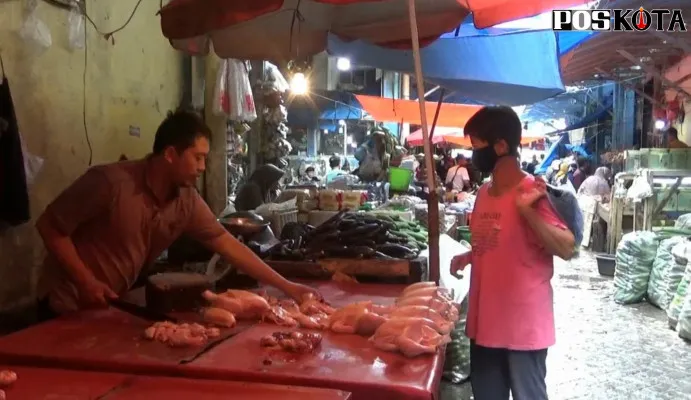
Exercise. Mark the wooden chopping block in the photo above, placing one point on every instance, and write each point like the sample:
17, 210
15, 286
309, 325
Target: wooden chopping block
176, 291
378, 268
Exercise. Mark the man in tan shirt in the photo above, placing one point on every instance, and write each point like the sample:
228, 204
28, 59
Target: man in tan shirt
117, 218
673, 141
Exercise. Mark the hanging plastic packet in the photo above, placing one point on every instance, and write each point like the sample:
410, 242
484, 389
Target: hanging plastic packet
221, 100
241, 105
77, 27
34, 30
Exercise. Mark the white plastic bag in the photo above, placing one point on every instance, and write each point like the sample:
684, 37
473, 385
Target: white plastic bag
233, 96
240, 92
640, 189
681, 255
221, 90
34, 30
635, 255
666, 273
77, 31
274, 75
32, 163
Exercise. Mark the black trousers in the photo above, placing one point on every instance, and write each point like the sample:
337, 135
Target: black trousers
497, 372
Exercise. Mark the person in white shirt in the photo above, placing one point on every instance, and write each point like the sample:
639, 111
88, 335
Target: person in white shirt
457, 177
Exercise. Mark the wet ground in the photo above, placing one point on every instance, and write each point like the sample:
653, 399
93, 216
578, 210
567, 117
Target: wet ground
606, 351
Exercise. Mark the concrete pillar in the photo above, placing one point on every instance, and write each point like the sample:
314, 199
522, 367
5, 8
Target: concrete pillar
216, 175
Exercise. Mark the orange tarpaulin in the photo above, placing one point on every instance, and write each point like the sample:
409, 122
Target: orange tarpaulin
454, 137
487, 13
408, 111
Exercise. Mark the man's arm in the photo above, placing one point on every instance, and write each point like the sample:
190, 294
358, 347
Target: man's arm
549, 229
204, 227
88, 197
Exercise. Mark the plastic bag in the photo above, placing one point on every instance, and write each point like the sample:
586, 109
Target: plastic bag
566, 204
684, 324
683, 222
76, 23
640, 189
681, 254
233, 92
34, 30
635, 256
275, 76
666, 273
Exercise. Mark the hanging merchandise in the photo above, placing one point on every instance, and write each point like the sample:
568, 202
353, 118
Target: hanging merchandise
14, 194
34, 30
274, 143
76, 23
233, 92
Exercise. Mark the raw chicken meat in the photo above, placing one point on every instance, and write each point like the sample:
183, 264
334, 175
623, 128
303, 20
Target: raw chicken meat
311, 305
295, 342
356, 318
411, 336
180, 335
219, 317
445, 308
289, 313
441, 324
418, 285
433, 291
279, 316
241, 303
7, 377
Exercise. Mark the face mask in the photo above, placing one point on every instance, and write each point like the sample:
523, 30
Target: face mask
485, 159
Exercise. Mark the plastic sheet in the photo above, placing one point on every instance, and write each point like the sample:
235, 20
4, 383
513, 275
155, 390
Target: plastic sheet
635, 256
77, 24
33, 30
681, 254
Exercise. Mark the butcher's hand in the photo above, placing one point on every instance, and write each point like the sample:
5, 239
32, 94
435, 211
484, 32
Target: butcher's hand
95, 294
458, 264
300, 293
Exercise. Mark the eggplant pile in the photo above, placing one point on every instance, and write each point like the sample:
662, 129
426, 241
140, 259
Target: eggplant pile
351, 235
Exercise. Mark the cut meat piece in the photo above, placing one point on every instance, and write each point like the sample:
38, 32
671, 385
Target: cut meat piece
441, 324
7, 378
311, 304
356, 318
241, 303
294, 342
279, 316
180, 335
409, 335
219, 317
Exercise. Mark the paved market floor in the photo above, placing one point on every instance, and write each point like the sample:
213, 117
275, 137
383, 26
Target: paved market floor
605, 351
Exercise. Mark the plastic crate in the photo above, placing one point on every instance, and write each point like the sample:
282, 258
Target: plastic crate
278, 219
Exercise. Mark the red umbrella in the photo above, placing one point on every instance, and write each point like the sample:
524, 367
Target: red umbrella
442, 135
292, 29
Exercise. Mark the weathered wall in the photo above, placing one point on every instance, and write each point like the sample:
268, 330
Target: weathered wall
133, 82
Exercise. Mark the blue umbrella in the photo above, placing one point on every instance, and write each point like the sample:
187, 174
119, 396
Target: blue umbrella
512, 66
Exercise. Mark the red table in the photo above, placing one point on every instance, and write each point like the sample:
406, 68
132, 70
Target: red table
43, 383
111, 341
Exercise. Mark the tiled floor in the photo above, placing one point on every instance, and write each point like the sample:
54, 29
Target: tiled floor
604, 350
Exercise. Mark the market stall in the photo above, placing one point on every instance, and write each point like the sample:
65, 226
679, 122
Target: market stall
110, 340
48, 383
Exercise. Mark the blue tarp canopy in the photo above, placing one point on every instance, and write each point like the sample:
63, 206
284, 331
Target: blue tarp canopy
555, 152
511, 66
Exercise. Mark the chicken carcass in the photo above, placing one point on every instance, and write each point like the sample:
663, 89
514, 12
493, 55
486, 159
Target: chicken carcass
433, 291
416, 286
241, 303
444, 307
356, 318
180, 335
219, 317
409, 335
279, 316
441, 324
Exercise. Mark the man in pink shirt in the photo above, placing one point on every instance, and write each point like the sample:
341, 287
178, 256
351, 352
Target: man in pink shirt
515, 234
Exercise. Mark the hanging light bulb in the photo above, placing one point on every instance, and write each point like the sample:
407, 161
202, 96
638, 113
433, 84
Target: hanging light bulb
660, 124
343, 64
299, 84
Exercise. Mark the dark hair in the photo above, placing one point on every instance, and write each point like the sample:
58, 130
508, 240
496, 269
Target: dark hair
581, 162
672, 132
180, 129
335, 161
542, 156
309, 169
495, 123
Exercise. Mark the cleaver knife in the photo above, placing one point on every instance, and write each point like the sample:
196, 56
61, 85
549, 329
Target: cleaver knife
141, 312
